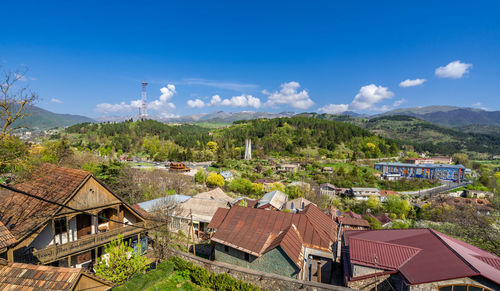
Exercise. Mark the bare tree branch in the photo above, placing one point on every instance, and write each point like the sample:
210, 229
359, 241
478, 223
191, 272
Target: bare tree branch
13, 99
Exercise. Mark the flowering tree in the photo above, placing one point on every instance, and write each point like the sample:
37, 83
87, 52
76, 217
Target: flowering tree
120, 261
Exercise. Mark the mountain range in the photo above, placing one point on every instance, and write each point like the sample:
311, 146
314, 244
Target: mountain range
466, 119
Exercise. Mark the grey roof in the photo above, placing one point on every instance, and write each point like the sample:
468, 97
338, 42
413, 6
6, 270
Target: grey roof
421, 165
170, 199
276, 198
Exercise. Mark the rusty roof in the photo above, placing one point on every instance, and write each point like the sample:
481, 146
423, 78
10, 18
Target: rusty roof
439, 258
17, 276
256, 231
218, 217
23, 213
6, 238
347, 220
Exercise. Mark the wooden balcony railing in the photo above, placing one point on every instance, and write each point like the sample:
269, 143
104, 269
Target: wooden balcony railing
56, 252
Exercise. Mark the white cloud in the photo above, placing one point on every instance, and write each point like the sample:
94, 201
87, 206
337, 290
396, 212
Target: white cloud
215, 100
368, 96
398, 102
410, 83
453, 70
242, 101
197, 103
236, 101
477, 104
55, 100
334, 108
366, 99
289, 95
161, 105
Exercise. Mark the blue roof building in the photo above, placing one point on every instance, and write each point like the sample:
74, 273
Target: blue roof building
454, 173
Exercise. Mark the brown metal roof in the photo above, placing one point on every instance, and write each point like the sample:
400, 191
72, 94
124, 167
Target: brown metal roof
350, 221
17, 276
218, 217
23, 213
256, 231
6, 238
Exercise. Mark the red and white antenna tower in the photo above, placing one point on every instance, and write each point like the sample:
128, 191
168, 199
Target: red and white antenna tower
143, 112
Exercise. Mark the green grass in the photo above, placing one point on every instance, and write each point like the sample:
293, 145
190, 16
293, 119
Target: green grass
163, 278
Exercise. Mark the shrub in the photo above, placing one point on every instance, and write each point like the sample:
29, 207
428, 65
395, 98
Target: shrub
215, 180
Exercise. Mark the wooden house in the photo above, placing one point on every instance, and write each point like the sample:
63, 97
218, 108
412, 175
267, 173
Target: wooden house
63, 217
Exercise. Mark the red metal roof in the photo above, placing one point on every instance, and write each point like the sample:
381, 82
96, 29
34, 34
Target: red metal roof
256, 231
440, 257
380, 254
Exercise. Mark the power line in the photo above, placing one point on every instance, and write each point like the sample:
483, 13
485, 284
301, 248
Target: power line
65, 206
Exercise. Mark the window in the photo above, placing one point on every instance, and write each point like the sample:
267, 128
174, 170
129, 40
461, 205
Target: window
463, 287
291, 206
60, 225
247, 257
226, 249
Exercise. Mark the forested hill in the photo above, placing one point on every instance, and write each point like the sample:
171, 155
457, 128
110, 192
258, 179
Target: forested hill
425, 136
292, 135
283, 136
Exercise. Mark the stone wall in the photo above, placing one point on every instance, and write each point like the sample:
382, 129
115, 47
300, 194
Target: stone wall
274, 261
369, 284
263, 280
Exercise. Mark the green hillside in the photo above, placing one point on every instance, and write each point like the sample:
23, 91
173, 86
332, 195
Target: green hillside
283, 136
425, 136
38, 118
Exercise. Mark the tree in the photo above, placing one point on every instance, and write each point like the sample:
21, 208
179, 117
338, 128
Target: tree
215, 180
120, 261
199, 177
212, 146
373, 203
13, 99
13, 153
462, 159
398, 206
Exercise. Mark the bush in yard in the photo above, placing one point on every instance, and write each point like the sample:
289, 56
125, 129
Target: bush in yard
120, 262
215, 180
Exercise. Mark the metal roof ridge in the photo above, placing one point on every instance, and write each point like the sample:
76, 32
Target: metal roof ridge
453, 250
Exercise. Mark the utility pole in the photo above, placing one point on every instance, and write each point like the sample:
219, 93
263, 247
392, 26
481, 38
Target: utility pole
192, 229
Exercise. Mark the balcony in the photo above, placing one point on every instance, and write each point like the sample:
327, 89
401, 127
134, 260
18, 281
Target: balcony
57, 252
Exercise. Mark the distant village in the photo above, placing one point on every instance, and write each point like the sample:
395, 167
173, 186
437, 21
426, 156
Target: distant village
56, 225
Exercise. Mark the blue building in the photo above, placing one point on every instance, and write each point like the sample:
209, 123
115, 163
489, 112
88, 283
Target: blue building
427, 171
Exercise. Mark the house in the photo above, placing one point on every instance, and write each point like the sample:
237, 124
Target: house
363, 193
350, 223
483, 206
159, 203
478, 194
227, 175
282, 243
273, 200
200, 209
267, 183
244, 201
19, 276
433, 160
73, 218
416, 259
391, 177
297, 204
328, 169
288, 168
327, 189
385, 193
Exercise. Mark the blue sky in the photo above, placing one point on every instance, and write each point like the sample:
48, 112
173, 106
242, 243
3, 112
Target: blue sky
329, 56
